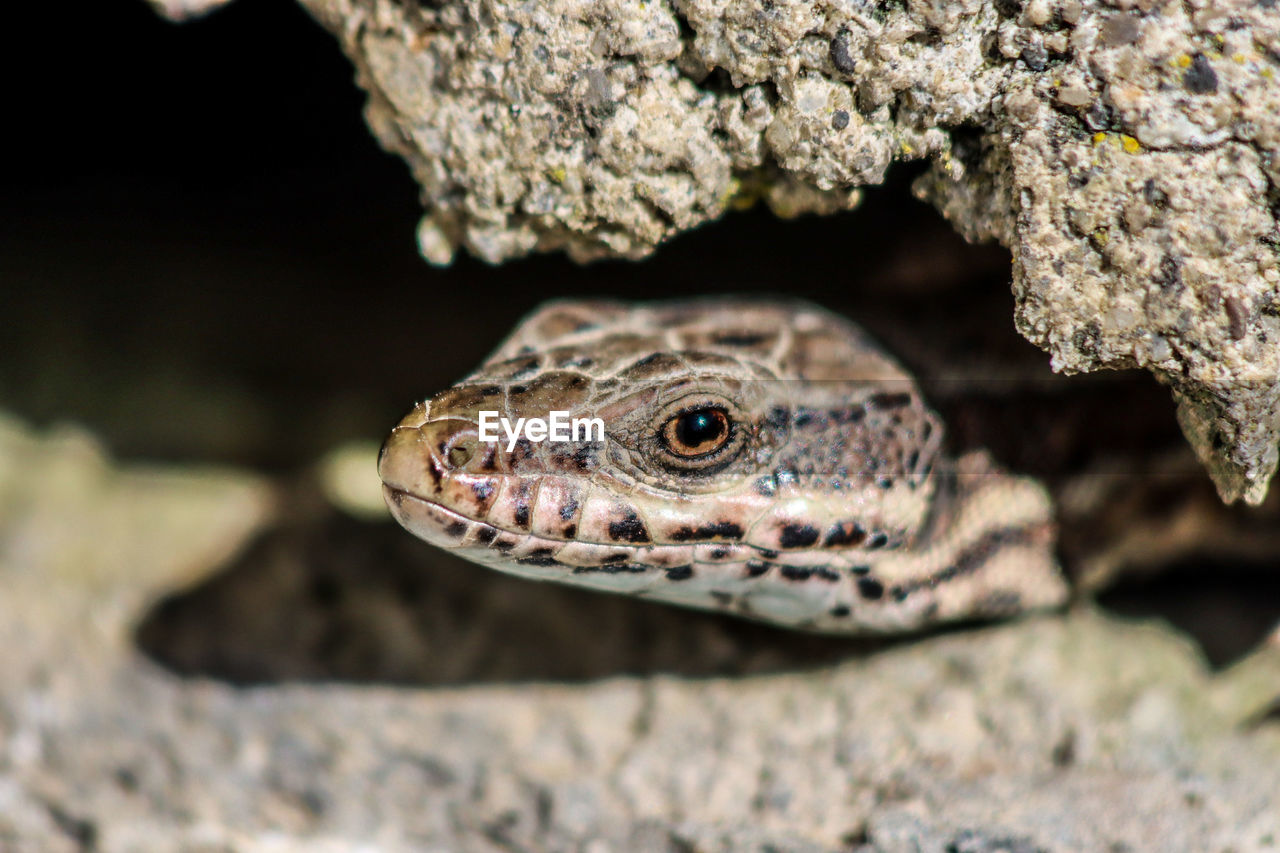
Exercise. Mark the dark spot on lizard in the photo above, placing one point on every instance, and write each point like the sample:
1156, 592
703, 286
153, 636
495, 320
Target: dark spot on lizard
975, 556
778, 417
629, 528
570, 531
878, 540
522, 515
720, 530
486, 534
616, 558
766, 487
717, 530
679, 573
719, 553
489, 462
845, 533
522, 369
797, 535
585, 458
482, 490
724, 599
756, 568
456, 529
569, 509
796, 573
870, 588
537, 558
890, 401
840, 611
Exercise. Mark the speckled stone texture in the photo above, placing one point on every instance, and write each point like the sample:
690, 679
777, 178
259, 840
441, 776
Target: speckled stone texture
1081, 733
1126, 151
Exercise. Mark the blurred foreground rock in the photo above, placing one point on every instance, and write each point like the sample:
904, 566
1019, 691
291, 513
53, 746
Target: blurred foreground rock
1071, 733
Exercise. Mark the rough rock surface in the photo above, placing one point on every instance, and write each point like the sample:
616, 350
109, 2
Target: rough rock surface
1127, 152
1076, 733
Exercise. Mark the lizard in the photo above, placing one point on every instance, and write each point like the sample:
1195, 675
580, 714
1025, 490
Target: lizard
760, 457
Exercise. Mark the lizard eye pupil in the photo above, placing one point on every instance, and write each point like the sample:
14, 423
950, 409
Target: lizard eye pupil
697, 432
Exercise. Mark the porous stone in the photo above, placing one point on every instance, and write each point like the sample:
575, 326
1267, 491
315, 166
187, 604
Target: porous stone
1125, 152
1075, 733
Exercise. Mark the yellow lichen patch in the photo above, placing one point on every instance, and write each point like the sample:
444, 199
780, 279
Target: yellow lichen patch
1183, 61
1129, 144
1099, 138
742, 195
1238, 58
557, 175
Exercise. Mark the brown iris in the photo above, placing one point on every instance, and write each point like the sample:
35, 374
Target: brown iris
696, 432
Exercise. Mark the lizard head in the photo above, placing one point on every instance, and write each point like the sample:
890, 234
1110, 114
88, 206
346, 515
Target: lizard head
754, 456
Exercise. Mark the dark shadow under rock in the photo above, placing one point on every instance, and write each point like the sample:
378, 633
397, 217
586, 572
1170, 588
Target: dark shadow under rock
1227, 608
339, 599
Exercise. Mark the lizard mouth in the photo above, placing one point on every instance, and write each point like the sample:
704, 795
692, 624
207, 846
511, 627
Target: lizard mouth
529, 553
715, 576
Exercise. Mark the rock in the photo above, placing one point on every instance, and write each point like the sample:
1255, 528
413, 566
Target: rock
1064, 733
1127, 154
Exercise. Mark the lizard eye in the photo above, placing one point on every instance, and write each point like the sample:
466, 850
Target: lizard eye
698, 435
696, 432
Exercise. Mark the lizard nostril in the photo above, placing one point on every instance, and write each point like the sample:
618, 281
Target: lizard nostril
460, 454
